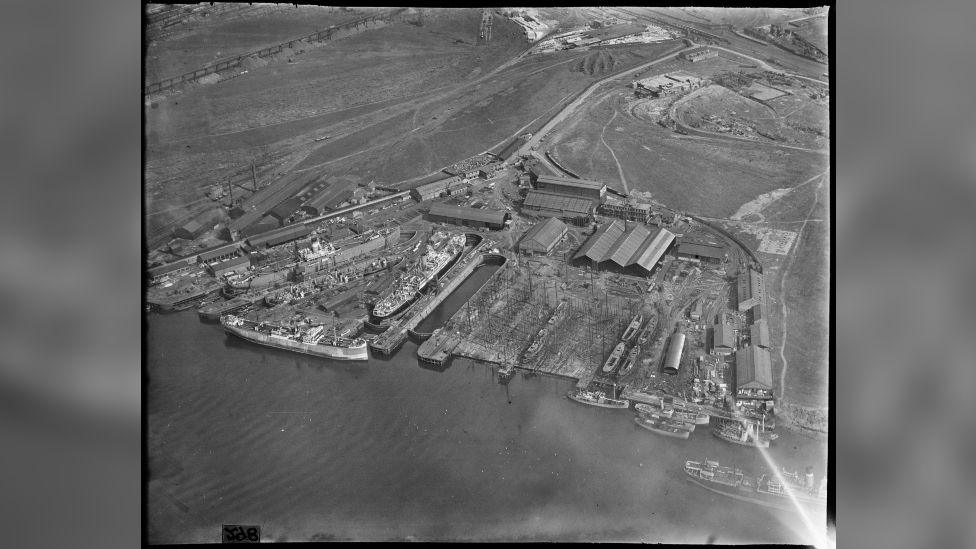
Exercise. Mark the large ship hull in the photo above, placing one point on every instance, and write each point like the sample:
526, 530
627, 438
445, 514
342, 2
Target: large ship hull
749, 492
650, 426
358, 352
390, 306
617, 404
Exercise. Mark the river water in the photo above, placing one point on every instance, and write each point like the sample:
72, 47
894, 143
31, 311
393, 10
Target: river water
310, 449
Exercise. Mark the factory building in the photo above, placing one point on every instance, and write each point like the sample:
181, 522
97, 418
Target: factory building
233, 264
576, 210
543, 237
751, 289
753, 374
157, 274
696, 311
700, 54
443, 187
640, 246
723, 340
630, 211
190, 230
283, 211
757, 312
280, 236
672, 362
759, 334
667, 84
701, 251
219, 253
265, 225
470, 217
570, 186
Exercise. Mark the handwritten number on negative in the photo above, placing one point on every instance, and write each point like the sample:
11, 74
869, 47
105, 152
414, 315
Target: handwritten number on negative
235, 533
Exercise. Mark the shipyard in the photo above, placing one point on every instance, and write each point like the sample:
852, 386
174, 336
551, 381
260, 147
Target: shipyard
382, 228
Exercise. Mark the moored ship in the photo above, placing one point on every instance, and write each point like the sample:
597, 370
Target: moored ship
544, 333
633, 328
648, 330
662, 427
663, 416
444, 249
598, 398
614, 359
767, 490
311, 340
746, 434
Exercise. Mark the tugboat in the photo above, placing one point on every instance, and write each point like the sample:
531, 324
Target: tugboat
614, 359
662, 427
598, 398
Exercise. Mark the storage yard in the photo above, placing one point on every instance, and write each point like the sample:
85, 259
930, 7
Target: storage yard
312, 205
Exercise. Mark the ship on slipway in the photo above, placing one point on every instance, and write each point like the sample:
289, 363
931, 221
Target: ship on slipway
310, 340
441, 251
777, 491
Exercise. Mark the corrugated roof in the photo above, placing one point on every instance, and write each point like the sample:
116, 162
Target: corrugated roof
545, 233
569, 182
624, 251
597, 247
286, 208
723, 336
759, 333
701, 249
168, 268
232, 262
217, 252
470, 214
553, 201
653, 249
752, 368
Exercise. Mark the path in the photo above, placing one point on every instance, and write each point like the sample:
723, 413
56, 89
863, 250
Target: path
620, 170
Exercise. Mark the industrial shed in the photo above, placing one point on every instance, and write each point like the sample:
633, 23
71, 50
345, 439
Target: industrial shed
280, 236
574, 209
543, 237
472, 217
751, 289
176, 267
641, 245
189, 231
233, 264
265, 225
701, 251
759, 334
442, 187
283, 211
568, 185
672, 363
753, 373
221, 252
723, 340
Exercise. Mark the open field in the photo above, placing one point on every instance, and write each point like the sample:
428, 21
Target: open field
711, 177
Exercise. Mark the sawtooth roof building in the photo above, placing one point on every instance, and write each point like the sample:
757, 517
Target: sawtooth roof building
542, 237
641, 246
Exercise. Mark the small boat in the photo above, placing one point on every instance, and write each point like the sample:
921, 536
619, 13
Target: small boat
634, 327
660, 416
746, 435
629, 362
614, 359
662, 427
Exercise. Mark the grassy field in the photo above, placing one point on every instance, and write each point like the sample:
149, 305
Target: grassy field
206, 41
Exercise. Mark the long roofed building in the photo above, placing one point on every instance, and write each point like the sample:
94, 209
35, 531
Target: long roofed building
542, 237
641, 245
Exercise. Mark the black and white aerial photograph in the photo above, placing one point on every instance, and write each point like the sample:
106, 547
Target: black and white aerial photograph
526, 274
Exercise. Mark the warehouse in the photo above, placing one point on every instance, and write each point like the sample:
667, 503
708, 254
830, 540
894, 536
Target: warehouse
471, 217
572, 209
701, 251
543, 237
700, 55
280, 236
189, 231
266, 224
757, 312
157, 274
759, 334
751, 289
443, 187
753, 374
233, 264
283, 211
672, 363
568, 185
219, 253
640, 246
723, 340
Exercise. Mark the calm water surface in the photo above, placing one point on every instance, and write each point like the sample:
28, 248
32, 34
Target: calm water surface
314, 449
